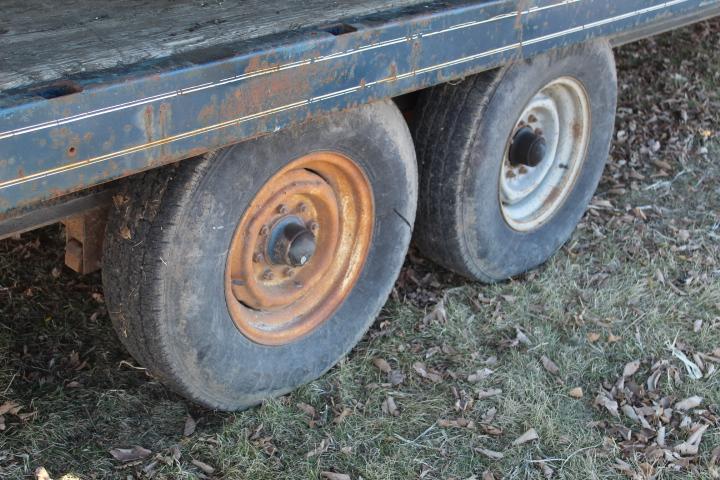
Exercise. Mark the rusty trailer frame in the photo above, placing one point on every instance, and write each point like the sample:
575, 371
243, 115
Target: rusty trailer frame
82, 132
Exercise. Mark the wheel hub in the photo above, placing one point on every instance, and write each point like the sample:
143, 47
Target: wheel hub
544, 154
291, 243
299, 248
528, 147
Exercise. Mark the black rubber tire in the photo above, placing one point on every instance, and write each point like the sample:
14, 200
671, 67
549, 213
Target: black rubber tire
166, 245
461, 133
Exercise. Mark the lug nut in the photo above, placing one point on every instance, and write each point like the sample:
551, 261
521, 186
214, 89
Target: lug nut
282, 209
303, 208
298, 284
258, 257
314, 227
289, 272
268, 275
264, 230
538, 132
532, 118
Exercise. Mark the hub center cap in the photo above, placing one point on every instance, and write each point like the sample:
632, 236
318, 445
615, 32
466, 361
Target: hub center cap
528, 148
291, 243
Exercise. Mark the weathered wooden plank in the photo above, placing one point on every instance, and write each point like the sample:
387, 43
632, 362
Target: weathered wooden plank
45, 40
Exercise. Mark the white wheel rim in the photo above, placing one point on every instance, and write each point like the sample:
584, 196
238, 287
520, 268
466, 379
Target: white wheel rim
559, 112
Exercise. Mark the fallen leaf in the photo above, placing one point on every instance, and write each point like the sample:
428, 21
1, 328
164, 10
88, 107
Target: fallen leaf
458, 423
489, 415
483, 394
396, 377
9, 407
652, 381
625, 468
715, 456
42, 474
491, 429
546, 470
691, 445
130, 454
382, 365
692, 369
320, 449
479, 375
689, 403
334, 476
342, 416
125, 232
203, 466
438, 314
420, 369
647, 470
175, 454
389, 407
190, 425
593, 337
308, 410
576, 392
521, 337
631, 368
549, 365
608, 403
528, 436
613, 338
489, 453
629, 412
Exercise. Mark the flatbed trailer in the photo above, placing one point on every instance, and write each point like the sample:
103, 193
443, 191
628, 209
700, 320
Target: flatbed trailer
93, 94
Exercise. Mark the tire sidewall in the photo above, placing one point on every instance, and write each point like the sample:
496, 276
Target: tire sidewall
201, 336
498, 250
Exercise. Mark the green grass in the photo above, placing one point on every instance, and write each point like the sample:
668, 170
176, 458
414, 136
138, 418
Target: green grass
644, 280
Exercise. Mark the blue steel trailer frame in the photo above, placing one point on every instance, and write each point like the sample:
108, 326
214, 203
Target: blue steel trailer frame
123, 122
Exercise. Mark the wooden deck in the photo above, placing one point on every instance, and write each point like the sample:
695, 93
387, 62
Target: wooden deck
46, 40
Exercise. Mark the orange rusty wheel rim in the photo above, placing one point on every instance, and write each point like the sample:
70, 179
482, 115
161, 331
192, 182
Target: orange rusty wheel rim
299, 248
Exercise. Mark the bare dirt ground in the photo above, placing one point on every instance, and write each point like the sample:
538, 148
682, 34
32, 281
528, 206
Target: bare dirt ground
601, 364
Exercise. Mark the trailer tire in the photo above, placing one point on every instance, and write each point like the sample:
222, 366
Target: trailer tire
169, 243
467, 220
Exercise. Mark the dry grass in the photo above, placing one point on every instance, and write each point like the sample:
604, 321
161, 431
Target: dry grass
641, 271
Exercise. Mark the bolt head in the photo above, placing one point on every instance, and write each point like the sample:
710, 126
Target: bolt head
314, 226
302, 208
264, 230
532, 118
258, 257
282, 209
268, 275
289, 272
